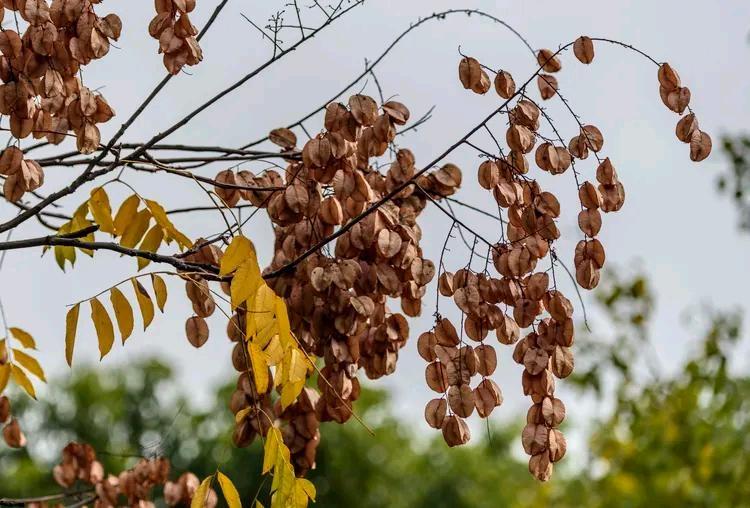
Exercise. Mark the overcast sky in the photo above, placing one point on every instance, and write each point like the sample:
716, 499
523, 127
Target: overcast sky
673, 224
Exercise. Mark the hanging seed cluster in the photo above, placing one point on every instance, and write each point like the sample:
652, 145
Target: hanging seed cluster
176, 34
521, 305
79, 464
42, 92
337, 300
12, 433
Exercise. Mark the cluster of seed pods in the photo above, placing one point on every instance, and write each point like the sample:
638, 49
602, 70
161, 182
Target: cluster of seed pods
41, 91
79, 464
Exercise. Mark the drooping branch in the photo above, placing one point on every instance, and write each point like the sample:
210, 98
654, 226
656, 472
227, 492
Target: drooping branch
72, 240
371, 65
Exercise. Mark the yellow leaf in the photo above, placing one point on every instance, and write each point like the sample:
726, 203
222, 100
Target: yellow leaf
271, 449
79, 222
283, 480
60, 256
4, 376
144, 302
282, 321
273, 351
63, 254
160, 216
259, 366
261, 308
240, 250
296, 365
160, 290
258, 504
307, 487
150, 243
201, 493
301, 495
23, 337
29, 363
245, 282
126, 214
230, 491
101, 211
241, 414
71, 324
123, 313
22, 380
105, 333
264, 336
289, 392
135, 230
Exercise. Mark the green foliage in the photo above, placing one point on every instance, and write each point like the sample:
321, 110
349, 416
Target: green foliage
736, 182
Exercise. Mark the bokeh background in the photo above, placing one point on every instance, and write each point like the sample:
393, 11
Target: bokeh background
663, 330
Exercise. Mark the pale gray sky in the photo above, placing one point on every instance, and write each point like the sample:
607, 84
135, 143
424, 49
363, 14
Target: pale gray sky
673, 221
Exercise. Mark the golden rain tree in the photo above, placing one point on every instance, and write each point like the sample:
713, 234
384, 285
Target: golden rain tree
345, 205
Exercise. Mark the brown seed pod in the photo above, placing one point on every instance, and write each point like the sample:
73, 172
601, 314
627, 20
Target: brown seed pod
547, 157
426, 346
364, 109
613, 197
548, 61
700, 146
593, 138
589, 195
471, 74
605, 173
534, 438
508, 332
583, 49
488, 174
590, 221
553, 411
526, 113
535, 360
455, 431
557, 445
196, 330
668, 77
520, 138
587, 275
398, 113
316, 152
504, 85
558, 306
536, 285
434, 413
445, 333
685, 128
562, 362
487, 396
436, 376
541, 467
283, 137
578, 148
388, 243
486, 359
4, 409
547, 86
678, 100
13, 435
445, 284
475, 328
331, 211
461, 400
